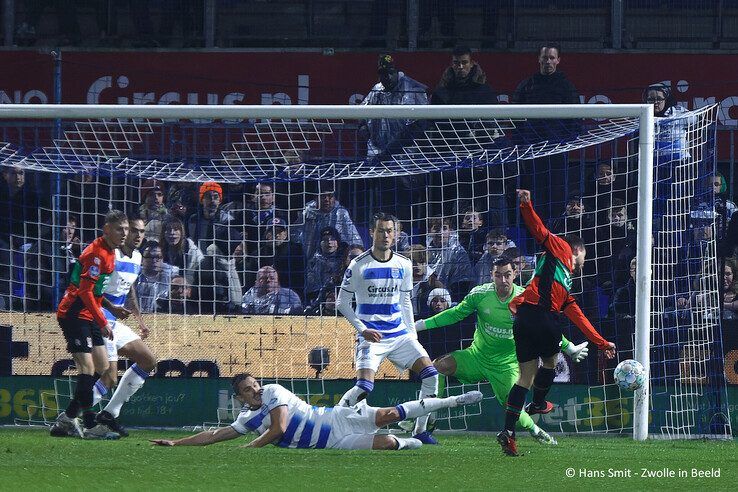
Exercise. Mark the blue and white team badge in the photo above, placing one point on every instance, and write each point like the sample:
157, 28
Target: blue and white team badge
396, 273
94, 271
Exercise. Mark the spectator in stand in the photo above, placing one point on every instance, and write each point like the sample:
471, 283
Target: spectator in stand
730, 289
179, 300
615, 243
326, 264
210, 226
326, 212
261, 209
153, 207
22, 224
547, 86
327, 293
284, 255
724, 206
464, 82
623, 304
496, 243
439, 300
424, 280
268, 297
521, 264
155, 279
575, 220
447, 257
603, 187
179, 250
393, 88
472, 233
73, 246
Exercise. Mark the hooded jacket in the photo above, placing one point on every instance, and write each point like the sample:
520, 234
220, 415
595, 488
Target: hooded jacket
472, 90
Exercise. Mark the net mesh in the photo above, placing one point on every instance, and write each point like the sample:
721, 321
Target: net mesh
287, 188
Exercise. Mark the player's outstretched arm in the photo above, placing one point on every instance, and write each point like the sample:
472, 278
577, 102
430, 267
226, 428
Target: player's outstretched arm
136, 309
574, 313
202, 439
278, 417
452, 315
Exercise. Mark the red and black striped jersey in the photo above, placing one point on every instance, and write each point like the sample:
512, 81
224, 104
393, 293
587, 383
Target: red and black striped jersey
91, 273
551, 284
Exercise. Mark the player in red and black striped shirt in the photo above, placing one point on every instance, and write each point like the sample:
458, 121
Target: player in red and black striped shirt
84, 325
536, 329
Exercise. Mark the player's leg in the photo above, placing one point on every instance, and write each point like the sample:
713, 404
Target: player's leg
135, 376
83, 338
502, 382
446, 366
428, 389
360, 390
542, 384
380, 442
110, 377
368, 357
417, 408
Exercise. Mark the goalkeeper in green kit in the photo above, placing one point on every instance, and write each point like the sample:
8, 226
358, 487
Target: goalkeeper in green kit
491, 356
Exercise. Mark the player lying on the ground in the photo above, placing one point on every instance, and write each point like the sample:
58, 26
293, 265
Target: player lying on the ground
283, 419
536, 329
382, 282
491, 355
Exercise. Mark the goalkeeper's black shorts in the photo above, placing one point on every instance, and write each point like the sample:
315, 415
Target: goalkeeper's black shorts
537, 332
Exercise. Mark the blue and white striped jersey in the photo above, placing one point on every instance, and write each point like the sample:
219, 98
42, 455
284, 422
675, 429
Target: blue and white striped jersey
125, 274
307, 426
377, 286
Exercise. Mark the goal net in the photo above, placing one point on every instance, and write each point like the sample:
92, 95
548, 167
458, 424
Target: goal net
252, 214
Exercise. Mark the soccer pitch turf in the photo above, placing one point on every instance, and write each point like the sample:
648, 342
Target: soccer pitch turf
31, 459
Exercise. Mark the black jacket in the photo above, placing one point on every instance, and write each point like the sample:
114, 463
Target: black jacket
546, 89
473, 90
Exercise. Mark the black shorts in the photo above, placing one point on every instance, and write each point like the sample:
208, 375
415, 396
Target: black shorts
537, 333
81, 335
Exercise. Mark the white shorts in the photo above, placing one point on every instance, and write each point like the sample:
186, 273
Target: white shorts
122, 335
353, 427
402, 351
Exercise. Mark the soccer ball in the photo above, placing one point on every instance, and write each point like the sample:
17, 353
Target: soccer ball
630, 375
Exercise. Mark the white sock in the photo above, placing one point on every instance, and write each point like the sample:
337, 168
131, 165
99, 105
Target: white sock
429, 388
416, 408
350, 398
131, 381
535, 430
98, 391
404, 443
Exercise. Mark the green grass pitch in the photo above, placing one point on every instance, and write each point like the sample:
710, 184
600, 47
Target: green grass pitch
33, 460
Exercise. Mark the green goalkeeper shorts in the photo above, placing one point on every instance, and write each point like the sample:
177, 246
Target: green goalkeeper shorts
469, 370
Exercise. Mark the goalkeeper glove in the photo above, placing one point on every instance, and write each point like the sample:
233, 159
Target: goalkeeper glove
420, 325
577, 352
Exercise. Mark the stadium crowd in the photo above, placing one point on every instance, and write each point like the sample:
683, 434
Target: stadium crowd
213, 248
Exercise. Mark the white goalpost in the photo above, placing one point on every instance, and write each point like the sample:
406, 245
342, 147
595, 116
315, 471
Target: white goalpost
295, 146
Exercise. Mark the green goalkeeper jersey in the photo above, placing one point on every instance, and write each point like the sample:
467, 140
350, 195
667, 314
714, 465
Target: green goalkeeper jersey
493, 338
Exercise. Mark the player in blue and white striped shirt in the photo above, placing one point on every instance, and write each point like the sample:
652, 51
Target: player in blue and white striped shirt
382, 281
125, 342
283, 419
